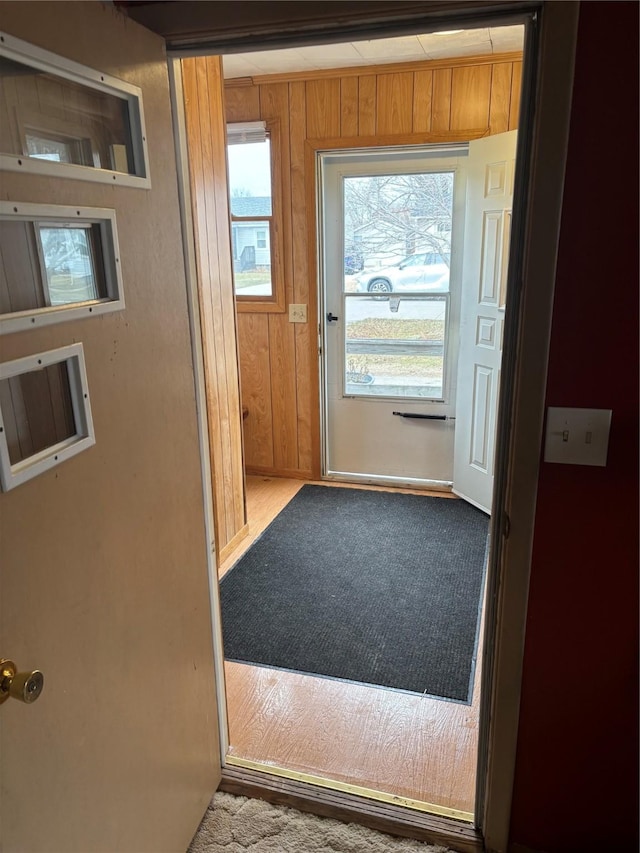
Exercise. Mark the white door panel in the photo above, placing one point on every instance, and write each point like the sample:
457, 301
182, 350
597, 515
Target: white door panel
103, 558
491, 164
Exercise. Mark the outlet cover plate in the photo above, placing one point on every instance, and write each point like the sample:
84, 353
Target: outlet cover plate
297, 313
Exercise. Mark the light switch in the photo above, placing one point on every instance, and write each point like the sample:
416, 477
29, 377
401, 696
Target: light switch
577, 436
297, 313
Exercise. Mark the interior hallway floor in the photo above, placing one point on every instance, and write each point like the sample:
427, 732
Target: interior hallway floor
401, 744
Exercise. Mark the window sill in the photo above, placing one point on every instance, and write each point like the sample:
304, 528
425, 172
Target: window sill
245, 305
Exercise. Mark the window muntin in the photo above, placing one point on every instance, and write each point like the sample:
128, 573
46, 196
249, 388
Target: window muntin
55, 267
61, 116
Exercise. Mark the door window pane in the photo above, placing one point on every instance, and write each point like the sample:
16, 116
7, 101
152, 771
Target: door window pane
394, 346
397, 232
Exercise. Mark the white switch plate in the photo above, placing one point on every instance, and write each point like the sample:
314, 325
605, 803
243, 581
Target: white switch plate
297, 313
577, 436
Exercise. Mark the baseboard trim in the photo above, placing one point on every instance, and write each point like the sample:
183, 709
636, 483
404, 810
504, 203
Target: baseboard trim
292, 473
235, 540
352, 808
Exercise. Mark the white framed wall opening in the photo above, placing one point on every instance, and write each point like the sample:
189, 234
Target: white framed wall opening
45, 413
60, 118
58, 263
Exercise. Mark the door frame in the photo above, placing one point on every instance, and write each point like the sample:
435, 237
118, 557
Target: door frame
551, 37
176, 93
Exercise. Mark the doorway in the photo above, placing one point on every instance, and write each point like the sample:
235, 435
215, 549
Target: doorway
328, 130
273, 347
312, 733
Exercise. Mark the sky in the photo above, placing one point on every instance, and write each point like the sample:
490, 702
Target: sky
249, 168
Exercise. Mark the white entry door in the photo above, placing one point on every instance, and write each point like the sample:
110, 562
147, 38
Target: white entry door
392, 224
103, 563
491, 166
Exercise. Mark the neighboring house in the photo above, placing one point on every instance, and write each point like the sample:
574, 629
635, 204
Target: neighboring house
250, 238
381, 247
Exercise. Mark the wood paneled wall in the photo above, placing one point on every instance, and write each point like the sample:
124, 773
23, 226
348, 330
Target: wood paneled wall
277, 361
203, 94
21, 286
37, 410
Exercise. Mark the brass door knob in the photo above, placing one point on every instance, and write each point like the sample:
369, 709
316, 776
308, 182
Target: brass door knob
24, 686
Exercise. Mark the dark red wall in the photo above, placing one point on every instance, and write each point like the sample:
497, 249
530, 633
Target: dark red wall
576, 785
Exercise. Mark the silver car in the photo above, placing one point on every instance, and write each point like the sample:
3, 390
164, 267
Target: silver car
424, 271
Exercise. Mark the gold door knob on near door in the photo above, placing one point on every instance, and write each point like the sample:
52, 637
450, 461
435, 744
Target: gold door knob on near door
24, 686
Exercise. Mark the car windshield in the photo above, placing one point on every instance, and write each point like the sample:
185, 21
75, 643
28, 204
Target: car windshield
412, 261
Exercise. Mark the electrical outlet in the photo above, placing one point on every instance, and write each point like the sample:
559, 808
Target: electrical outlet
297, 313
577, 436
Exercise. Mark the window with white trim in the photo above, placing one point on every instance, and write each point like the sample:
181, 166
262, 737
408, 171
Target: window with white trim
58, 263
65, 119
45, 413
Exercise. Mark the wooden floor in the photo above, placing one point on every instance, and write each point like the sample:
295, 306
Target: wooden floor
401, 744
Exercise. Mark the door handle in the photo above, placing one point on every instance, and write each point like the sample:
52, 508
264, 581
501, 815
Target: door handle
24, 686
423, 417
331, 318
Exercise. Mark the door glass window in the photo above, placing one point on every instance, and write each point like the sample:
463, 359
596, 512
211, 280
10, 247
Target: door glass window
394, 347
395, 226
397, 237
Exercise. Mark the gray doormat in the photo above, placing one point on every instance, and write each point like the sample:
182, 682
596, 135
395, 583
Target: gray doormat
375, 587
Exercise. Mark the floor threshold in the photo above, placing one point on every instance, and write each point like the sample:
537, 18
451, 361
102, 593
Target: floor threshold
348, 788
457, 834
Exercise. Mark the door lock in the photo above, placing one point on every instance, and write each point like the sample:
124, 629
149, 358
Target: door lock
331, 318
24, 686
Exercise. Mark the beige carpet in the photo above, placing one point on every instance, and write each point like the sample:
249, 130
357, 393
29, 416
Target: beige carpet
235, 824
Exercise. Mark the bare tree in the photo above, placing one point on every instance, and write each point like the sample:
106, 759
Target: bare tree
399, 214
